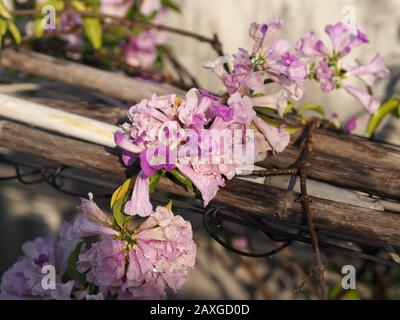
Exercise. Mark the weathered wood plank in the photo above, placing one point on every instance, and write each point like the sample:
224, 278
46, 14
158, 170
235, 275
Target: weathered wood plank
348, 161
110, 83
380, 227
344, 160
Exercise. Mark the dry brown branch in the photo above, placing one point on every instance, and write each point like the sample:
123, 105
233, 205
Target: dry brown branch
213, 42
305, 205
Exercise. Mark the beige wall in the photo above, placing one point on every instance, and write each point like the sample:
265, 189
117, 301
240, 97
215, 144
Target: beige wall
230, 20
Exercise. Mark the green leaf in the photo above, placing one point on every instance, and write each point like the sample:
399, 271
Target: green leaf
37, 28
3, 26
352, 295
334, 291
378, 116
289, 108
4, 11
170, 4
155, 179
93, 31
119, 198
72, 264
136, 30
266, 111
312, 106
181, 178
169, 205
78, 5
277, 124
14, 31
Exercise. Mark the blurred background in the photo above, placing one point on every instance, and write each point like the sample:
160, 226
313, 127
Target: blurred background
27, 211
230, 20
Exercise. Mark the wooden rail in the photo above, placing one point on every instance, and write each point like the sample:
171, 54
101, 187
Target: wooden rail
381, 227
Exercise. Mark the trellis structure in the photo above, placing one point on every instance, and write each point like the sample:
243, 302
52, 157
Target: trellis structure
353, 187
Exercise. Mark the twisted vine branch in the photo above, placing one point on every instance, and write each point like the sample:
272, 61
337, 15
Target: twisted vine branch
305, 203
214, 42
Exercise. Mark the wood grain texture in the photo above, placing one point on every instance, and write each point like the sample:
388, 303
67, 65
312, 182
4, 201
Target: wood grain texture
348, 161
344, 160
110, 83
253, 199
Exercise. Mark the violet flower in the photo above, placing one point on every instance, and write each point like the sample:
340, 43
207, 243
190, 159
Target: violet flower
163, 252
154, 257
329, 69
92, 221
24, 279
140, 202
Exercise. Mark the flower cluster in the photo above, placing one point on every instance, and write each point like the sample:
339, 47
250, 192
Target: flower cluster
140, 50
194, 135
270, 60
330, 70
165, 121
201, 139
137, 46
139, 260
24, 279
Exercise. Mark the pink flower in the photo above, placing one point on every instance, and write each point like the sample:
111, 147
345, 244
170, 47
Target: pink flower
369, 102
277, 101
325, 76
217, 65
140, 51
67, 21
104, 263
278, 138
264, 34
156, 158
351, 125
368, 73
208, 185
140, 202
344, 38
329, 70
197, 134
115, 8
163, 252
223, 111
148, 7
310, 46
242, 108
24, 279
155, 257
194, 105
243, 78
261, 147
274, 58
92, 221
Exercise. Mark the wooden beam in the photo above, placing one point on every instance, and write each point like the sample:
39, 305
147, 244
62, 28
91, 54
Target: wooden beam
344, 160
382, 227
110, 83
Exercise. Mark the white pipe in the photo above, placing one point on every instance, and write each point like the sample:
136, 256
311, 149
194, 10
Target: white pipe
57, 120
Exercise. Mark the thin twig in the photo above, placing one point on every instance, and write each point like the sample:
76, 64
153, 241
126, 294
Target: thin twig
275, 172
213, 42
305, 205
